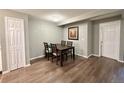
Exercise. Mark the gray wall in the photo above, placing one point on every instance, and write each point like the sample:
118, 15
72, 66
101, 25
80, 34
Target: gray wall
95, 39
122, 38
42, 31
9, 13
90, 38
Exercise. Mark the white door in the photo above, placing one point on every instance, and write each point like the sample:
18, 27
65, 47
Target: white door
15, 45
110, 39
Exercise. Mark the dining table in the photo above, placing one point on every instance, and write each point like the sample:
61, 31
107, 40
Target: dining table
62, 49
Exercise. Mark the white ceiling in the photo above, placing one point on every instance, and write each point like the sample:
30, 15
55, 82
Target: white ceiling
64, 13
60, 15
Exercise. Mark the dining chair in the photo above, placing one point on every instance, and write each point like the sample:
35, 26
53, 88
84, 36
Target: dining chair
55, 53
48, 50
63, 43
69, 43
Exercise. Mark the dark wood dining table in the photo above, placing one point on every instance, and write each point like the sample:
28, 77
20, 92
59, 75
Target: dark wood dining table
63, 49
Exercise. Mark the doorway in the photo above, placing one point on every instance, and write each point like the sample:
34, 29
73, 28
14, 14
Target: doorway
109, 43
15, 42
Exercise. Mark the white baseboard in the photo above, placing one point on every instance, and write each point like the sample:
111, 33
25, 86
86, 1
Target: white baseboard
115, 59
88, 55
79, 55
82, 56
85, 56
37, 57
95, 55
121, 61
5, 72
27, 65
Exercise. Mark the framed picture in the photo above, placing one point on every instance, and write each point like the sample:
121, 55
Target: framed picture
73, 33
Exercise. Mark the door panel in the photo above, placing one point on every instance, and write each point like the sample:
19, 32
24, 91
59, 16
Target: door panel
15, 44
110, 38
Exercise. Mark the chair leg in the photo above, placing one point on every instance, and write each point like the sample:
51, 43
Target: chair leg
48, 56
71, 55
52, 58
57, 60
45, 55
66, 56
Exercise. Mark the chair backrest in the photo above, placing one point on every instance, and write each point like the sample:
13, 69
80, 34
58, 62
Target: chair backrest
54, 48
46, 46
69, 43
63, 43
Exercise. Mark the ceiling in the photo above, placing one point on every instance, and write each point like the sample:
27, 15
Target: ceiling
45, 13
60, 15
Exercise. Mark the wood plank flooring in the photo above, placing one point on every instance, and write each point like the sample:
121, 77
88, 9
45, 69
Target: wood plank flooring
91, 70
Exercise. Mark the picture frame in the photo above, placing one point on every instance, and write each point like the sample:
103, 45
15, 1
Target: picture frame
73, 33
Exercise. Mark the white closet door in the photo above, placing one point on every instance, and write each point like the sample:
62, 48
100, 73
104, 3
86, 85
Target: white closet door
15, 44
110, 38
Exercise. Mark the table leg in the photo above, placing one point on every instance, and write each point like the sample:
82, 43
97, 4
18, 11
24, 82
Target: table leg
61, 59
73, 53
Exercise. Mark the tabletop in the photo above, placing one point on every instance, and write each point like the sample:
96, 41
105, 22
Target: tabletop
60, 47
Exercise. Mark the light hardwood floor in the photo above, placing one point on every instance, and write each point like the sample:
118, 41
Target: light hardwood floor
93, 69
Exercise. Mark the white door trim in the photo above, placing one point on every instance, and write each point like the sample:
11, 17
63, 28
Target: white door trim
6, 18
100, 40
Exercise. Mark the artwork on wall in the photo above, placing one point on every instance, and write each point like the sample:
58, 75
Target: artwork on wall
73, 33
